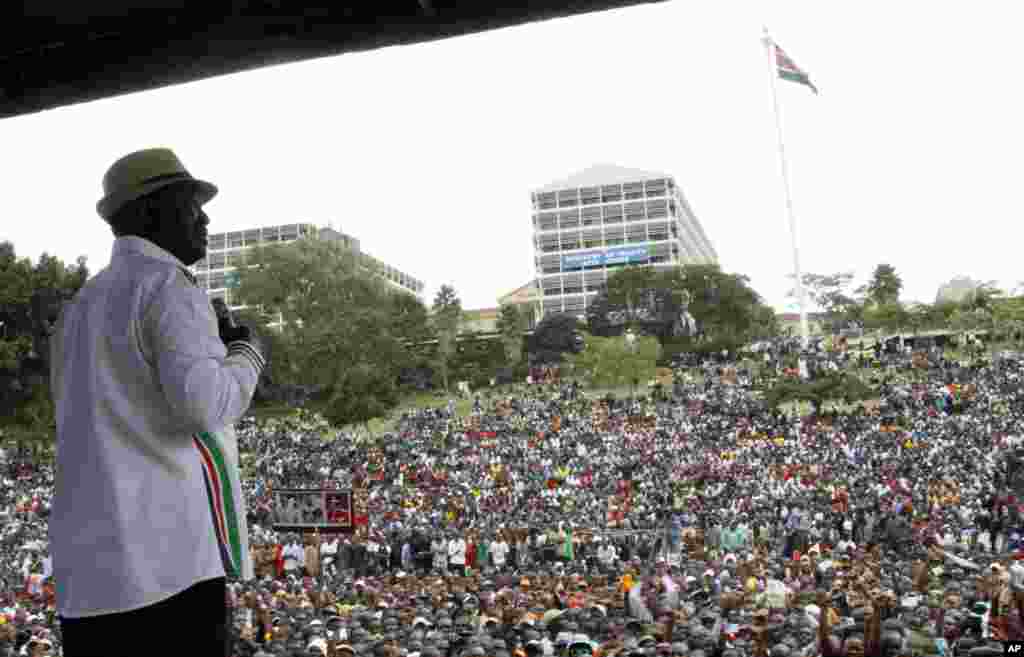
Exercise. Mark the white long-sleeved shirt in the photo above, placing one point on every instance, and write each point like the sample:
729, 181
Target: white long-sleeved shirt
457, 552
137, 369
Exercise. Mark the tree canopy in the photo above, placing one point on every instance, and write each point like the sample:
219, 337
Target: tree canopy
831, 293
884, 286
30, 298
556, 335
342, 328
447, 312
693, 301
512, 323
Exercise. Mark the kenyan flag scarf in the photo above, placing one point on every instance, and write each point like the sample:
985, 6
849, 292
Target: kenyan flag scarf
218, 453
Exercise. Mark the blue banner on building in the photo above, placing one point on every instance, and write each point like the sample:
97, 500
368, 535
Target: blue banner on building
633, 254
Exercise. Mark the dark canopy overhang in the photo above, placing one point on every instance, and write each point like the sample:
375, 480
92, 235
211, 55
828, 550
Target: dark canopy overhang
55, 53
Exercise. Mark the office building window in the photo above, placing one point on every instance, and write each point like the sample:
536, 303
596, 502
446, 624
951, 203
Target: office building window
592, 216
636, 233
635, 212
216, 261
574, 304
235, 240
570, 241
546, 201
655, 187
657, 209
569, 219
633, 190
572, 285
611, 193
547, 221
549, 264
590, 195
217, 242
548, 242
591, 239
252, 237
658, 231
551, 286
568, 198
612, 214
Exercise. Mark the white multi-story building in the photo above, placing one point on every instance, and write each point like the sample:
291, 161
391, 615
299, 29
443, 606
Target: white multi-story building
604, 218
227, 252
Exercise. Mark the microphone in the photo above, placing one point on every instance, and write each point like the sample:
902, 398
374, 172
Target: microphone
224, 316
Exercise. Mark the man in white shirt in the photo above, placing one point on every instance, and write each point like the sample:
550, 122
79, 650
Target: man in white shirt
293, 556
329, 554
139, 366
499, 552
457, 555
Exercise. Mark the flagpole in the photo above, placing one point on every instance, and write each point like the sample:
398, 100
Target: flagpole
801, 293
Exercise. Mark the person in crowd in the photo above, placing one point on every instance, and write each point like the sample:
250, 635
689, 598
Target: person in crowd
865, 499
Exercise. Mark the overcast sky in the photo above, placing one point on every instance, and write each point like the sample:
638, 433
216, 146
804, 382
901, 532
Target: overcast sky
911, 154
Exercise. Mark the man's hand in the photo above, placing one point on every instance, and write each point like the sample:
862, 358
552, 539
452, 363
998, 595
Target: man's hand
230, 332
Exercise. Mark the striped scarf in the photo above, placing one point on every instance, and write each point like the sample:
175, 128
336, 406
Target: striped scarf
219, 455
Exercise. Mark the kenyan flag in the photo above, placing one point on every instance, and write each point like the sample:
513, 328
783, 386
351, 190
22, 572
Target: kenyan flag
790, 71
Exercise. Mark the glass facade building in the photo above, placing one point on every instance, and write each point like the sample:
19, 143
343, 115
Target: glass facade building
603, 218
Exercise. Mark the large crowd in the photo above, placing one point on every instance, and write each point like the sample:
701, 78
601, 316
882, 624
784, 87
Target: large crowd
690, 521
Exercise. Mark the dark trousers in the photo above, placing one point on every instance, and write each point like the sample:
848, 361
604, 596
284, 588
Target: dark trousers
193, 622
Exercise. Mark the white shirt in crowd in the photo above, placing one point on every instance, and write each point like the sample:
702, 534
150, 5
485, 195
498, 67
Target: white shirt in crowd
606, 553
137, 369
294, 556
499, 551
457, 552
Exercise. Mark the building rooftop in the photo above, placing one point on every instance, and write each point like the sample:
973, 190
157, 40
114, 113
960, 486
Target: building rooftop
601, 174
520, 294
481, 313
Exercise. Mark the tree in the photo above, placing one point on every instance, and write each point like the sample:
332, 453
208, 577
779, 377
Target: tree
447, 311
410, 318
512, 324
557, 334
884, 287
339, 332
31, 296
831, 293
984, 296
362, 395
693, 301
891, 316
726, 308
649, 299
609, 362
